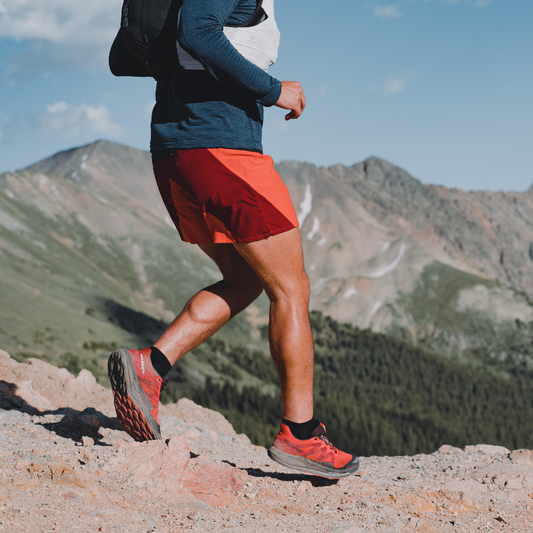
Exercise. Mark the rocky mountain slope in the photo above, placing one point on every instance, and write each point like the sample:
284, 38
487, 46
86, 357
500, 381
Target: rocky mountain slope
379, 244
66, 466
89, 262
383, 249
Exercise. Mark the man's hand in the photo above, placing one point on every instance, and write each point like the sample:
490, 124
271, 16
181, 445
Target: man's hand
292, 97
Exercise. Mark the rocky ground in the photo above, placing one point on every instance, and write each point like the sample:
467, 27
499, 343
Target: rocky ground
65, 465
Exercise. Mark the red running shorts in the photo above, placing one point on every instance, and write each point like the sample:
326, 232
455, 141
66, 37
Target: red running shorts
224, 196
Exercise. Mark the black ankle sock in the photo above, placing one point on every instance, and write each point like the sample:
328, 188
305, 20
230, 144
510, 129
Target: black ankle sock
159, 361
302, 431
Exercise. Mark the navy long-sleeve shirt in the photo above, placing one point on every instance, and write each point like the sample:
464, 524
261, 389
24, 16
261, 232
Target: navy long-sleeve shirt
221, 106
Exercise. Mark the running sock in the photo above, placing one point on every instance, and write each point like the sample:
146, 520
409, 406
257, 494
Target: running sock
302, 431
159, 361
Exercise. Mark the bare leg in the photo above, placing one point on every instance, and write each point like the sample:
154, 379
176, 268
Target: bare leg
278, 263
208, 310
275, 264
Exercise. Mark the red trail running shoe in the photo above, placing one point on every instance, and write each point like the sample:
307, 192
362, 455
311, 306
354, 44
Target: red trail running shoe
136, 390
314, 456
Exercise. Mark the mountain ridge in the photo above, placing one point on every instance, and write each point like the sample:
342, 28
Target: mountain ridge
374, 237
107, 168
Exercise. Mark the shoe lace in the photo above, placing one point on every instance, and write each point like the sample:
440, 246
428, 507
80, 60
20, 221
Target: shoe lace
328, 443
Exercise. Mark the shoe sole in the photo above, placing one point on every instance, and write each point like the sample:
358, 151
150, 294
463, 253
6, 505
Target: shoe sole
134, 411
312, 467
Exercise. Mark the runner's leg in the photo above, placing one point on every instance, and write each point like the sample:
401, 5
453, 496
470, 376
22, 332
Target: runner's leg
209, 309
278, 263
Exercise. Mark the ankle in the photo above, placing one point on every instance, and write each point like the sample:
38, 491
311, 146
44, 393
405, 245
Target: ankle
159, 361
301, 431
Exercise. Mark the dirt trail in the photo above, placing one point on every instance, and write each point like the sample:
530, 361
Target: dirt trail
66, 466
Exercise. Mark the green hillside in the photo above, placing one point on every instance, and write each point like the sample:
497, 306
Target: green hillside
452, 311
82, 278
377, 395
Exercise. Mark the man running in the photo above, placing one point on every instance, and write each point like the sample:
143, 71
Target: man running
224, 195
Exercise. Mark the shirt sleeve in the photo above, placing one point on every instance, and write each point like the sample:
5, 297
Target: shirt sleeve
200, 33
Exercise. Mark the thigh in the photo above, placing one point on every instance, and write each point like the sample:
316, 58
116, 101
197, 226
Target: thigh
279, 264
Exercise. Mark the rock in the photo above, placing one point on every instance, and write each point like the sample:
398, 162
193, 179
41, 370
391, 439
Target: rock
522, 457
487, 450
192, 413
156, 462
31, 397
46, 387
446, 449
215, 484
415, 503
87, 441
463, 502
90, 420
513, 483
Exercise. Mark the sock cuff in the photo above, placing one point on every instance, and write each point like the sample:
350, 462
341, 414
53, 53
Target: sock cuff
303, 430
159, 361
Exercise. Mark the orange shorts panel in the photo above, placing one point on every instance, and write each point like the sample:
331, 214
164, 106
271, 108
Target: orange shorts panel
224, 196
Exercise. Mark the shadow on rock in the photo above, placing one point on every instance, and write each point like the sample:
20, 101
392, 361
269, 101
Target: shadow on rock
75, 425
66, 422
314, 480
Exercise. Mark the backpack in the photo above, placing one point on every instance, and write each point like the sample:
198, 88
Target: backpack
145, 44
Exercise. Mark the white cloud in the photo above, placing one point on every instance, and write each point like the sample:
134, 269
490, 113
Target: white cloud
387, 12
395, 85
59, 21
61, 34
71, 120
398, 83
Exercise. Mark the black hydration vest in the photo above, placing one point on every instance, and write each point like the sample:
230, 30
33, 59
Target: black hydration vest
145, 44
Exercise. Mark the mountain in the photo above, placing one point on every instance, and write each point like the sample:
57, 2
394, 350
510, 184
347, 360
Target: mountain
449, 268
90, 261
90, 258
108, 170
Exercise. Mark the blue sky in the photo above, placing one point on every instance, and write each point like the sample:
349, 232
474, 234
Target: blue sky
442, 88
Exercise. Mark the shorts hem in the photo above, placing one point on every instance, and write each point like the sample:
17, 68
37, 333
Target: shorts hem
244, 240
264, 236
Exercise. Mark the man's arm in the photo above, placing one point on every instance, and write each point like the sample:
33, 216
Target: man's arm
200, 33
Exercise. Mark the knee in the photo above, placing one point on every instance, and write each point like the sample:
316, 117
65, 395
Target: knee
303, 286
296, 290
